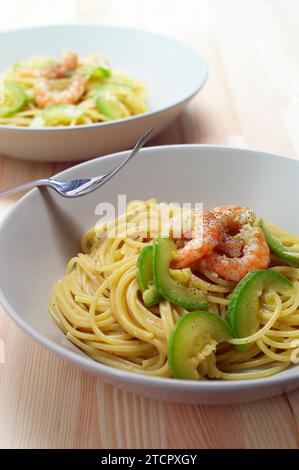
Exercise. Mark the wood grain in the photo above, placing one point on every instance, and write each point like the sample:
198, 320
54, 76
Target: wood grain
251, 99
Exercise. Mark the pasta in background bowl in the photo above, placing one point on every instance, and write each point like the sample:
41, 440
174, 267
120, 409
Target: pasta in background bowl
191, 173
171, 73
70, 91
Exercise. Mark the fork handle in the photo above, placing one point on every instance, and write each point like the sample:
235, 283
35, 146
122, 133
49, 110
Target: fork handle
25, 186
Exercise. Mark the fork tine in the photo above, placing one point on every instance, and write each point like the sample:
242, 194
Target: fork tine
79, 187
93, 185
135, 150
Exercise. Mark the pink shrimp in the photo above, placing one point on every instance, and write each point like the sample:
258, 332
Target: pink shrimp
67, 64
232, 217
229, 246
256, 255
46, 94
218, 224
202, 244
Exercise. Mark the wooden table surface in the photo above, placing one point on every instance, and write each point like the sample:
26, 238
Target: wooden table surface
251, 99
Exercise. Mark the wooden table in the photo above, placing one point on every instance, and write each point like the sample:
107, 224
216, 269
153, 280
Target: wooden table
251, 99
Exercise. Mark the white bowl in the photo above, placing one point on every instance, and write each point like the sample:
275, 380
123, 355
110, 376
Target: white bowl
172, 72
43, 231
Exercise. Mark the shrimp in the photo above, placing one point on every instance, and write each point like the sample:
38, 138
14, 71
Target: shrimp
233, 218
207, 237
230, 246
67, 64
46, 94
256, 255
217, 225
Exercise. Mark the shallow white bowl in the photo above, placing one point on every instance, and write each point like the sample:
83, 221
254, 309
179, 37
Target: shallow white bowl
44, 230
172, 72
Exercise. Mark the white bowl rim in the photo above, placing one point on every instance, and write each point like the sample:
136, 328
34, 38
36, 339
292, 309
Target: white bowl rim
14, 128
169, 384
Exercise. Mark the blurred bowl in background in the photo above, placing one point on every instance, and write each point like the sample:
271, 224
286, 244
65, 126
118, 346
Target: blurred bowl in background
172, 72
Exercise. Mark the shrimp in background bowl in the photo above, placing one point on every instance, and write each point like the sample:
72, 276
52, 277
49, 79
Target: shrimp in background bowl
45, 92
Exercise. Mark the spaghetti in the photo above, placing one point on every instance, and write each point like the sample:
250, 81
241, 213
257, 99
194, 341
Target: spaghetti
44, 92
99, 308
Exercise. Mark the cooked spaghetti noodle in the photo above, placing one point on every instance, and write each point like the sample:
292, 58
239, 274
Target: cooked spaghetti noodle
99, 308
44, 92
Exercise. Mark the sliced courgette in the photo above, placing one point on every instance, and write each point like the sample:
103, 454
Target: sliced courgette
145, 280
282, 252
13, 98
170, 289
57, 115
244, 306
194, 338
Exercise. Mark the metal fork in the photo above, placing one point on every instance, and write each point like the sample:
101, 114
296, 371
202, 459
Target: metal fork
79, 187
